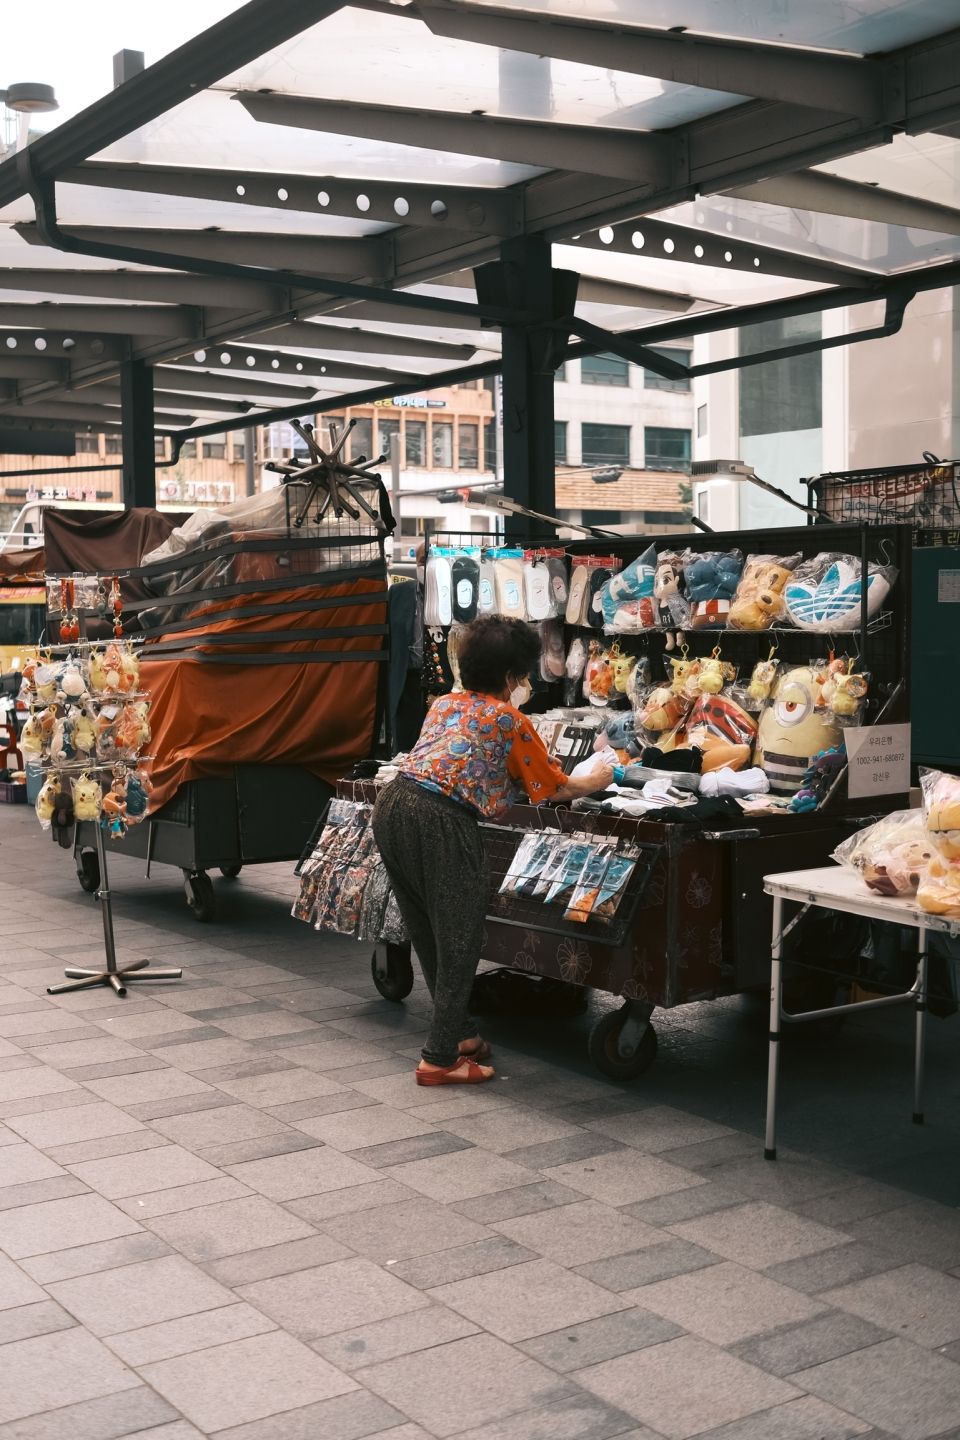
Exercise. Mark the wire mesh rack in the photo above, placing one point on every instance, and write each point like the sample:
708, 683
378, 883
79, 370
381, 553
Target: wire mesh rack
579, 910
926, 497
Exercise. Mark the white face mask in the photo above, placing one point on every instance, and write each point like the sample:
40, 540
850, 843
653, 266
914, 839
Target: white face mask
521, 694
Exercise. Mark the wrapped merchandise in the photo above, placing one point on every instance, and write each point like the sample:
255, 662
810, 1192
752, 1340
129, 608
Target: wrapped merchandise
573, 671
586, 894
939, 890
614, 885
818, 779
571, 868
759, 599
527, 864
87, 798
721, 729
661, 710
552, 655
621, 733
890, 856
941, 809
465, 581
844, 690
600, 576
536, 588
763, 678
626, 600
794, 728
578, 599
598, 676
711, 581
438, 589
673, 607
487, 586
824, 593
559, 584
553, 864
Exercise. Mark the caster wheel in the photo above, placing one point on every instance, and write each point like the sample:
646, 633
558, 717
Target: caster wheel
230, 872
397, 983
88, 870
604, 1052
199, 889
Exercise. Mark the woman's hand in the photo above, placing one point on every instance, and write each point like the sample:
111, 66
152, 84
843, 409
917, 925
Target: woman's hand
598, 777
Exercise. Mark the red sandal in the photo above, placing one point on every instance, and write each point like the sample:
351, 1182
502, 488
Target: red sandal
464, 1072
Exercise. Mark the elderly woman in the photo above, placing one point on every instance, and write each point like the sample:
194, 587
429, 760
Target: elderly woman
476, 755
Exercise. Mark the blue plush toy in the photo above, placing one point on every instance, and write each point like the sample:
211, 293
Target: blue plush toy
711, 582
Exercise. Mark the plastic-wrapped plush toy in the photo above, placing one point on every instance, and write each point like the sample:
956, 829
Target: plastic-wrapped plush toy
84, 733
818, 779
86, 798
673, 608
824, 594
941, 809
626, 598
762, 680
845, 692
759, 598
720, 728
620, 733
711, 581
598, 676
72, 682
137, 797
714, 674
939, 889
794, 728
573, 671
662, 710
133, 728
891, 856
45, 802
623, 667
113, 813
31, 736
685, 678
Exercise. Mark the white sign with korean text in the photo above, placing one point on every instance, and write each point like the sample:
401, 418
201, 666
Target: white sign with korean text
878, 757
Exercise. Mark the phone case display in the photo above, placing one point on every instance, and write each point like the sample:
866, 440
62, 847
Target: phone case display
465, 578
344, 888
795, 727
759, 599
891, 855
89, 732
825, 593
711, 582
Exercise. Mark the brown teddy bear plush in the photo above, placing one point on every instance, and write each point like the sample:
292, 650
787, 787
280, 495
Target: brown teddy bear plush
759, 598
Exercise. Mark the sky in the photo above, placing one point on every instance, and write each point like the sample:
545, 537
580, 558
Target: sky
70, 44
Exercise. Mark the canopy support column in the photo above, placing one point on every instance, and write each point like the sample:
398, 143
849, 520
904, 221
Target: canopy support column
136, 411
524, 280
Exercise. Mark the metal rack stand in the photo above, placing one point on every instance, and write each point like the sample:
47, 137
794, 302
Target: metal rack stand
114, 975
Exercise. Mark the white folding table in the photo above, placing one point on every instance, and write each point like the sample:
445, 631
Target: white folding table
833, 887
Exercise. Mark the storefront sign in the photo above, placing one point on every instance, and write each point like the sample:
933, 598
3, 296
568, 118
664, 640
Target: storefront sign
88, 494
879, 760
412, 402
198, 492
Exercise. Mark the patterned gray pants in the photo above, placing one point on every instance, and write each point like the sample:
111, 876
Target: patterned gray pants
433, 852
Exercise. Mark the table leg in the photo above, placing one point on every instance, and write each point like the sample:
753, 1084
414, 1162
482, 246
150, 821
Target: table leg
921, 1022
773, 1057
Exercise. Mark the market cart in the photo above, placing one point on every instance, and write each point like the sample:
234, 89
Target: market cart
701, 925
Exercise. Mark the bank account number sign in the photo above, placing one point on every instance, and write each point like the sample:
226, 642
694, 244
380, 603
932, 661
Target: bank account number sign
878, 757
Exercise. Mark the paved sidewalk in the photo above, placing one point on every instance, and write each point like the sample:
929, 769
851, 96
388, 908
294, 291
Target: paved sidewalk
225, 1209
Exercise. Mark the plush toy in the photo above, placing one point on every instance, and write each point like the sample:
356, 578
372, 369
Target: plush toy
31, 736
634, 582
720, 728
759, 598
662, 710
899, 870
623, 666
620, 734
84, 733
72, 683
941, 807
46, 683
846, 694
825, 593
96, 671
711, 582
714, 674
686, 676
573, 671
62, 747
86, 798
762, 679
939, 889
793, 729
63, 816
673, 609
138, 797
598, 676
818, 778
44, 805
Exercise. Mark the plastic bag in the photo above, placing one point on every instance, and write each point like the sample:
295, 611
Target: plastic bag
552, 657
711, 581
941, 809
890, 856
939, 890
571, 868
587, 891
824, 593
614, 885
598, 677
673, 607
626, 599
759, 599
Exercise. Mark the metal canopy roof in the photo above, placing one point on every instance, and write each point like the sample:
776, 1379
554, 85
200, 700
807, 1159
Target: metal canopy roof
284, 214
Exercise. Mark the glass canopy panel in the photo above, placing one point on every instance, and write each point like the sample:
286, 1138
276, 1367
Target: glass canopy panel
867, 245
711, 285
338, 58
924, 166
860, 27
213, 131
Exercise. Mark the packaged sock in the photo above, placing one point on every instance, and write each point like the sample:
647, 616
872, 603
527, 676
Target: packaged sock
536, 590
552, 657
587, 893
599, 576
559, 584
437, 591
578, 600
509, 585
613, 886
487, 594
465, 577
561, 891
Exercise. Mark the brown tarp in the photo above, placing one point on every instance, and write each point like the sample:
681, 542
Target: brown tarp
207, 717
22, 566
102, 541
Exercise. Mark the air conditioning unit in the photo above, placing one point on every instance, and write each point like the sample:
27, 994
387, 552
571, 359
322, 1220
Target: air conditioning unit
716, 491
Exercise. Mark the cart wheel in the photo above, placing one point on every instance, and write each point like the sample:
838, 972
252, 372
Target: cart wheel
230, 872
88, 870
603, 1047
199, 888
397, 982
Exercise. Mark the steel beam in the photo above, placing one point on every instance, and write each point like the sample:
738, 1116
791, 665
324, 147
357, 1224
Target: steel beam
85, 414
108, 394
277, 362
311, 254
61, 345
826, 194
456, 207
844, 84
663, 240
250, 387
635, 155
170, 320
600, 292
304, 334
146, 285
245, 35
25, 368
383, 312
137, 421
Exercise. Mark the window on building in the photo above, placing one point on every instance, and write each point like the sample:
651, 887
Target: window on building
605, 444
361, 439
677, 518
560, 442
490, 446
113, 444
653, 381
701, 420
784, 395
159, 447
561, 372
189, 450
88, 442
214, 449
604, 370
415, 433
387, 427
665, 448
467, 453
239, 448
441, 444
